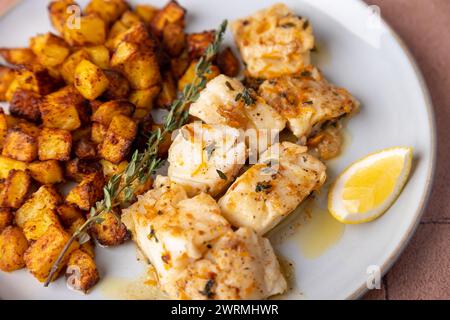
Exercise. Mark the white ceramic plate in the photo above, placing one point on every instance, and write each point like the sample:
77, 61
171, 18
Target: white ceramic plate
355, 51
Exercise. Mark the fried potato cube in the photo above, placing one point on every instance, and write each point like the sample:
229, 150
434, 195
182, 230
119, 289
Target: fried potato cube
19, 56
111, 231
39, 81
3, 127
142, 71
25, 104
15, 189
38, 226
189, 75
50, 50
99, 55
85, 149
69, 66
21, 144
198, 42
8, 164
7, 76
98, 132
90, 80
81, 272
6, 218
110, 168
41, 255
61, 109
87, 192
119, 137
82, 132
130, 19
54, 144
92, 31
59, 13
68, 214
228, 63
174, 39
108, 10
77, 169
170, 14
179, 65
144, 99
46, 172
146, 12
168, 91
44, 199
114, 35
108, 110
118, 88
13, 246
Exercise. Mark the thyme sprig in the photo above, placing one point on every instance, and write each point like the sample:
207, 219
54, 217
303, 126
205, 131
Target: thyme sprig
143, 164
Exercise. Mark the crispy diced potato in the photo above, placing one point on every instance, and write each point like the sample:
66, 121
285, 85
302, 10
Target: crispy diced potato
82, 133
7, 76
146, 12
38, 226
41, 255
90, 80
21, 143
69, 66
68, 214
87, 192
13, 245
19, 56
61, 109
99, 55
119, 137
108, 110
58, 12
142, 71
92, 32
98, 132
179, 65
130, 19
81, 272
77, 169
111, 231
85, 149
6, 218
46, 172
144, 99
189, 75
118, 86
54, 144
49, 49
110, 168
108, 10
25, 104
198, 42
140, 114
3, 127
172, 13
168, 92
44, 199
8, 164
39, 81
117, 29
174, 39
15, 189
228, 63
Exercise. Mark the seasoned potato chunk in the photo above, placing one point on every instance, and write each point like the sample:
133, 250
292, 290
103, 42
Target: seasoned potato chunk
90, 80
98, 133
92, 31
25, 104
3, 127
44, 199
174, 39
144, 99
59, 12
46, 172
21, 143
111, 231
19, 56
15, 189
108, 110
6, 218
62, 109
70, 64
168, 91
228, 63
50, 50
188, 76
68, 214
38, 80
13, 245
119, 137
170, 14
41, 255
198, 42
99, 55
38, 225
85, 149
87, 192
108, 10
7, 76
179, 65
81, 272
8, 164
54, 144
110, 168
118, 88
146, 12
77, 169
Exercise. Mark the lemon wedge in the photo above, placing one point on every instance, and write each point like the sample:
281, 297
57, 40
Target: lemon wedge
368, 187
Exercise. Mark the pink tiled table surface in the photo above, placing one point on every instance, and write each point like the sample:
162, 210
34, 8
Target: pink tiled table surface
423, 270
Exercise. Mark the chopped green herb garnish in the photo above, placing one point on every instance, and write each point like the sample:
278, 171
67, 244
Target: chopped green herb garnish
261, 186
207, 291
